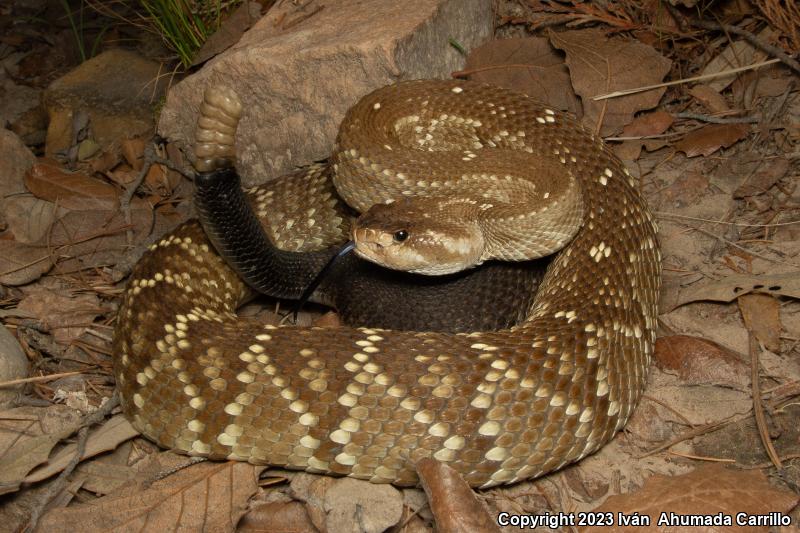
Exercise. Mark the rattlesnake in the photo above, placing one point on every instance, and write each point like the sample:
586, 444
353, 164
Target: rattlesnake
498, 406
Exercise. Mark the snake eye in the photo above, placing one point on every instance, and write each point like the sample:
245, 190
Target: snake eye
400, 236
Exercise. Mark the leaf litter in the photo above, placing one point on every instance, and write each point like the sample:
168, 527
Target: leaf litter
726, 197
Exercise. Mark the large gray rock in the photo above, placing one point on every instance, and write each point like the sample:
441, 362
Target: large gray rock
297, 83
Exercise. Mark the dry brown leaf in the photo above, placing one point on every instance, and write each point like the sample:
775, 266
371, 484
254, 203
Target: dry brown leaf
348, 504
709, 98
72, 190
653, 123
29, 218
738, 54
106, 161
27, 435
65, 315
277, 517
21, 459
103, 478
730, 288
589, 487
133, 152
88, 239
311, 490
711, 138
13, 364
68, 494
644, 125
769, 86
688, 188
123, 175
355, 505
202, 497
22, 263
415, 524
651, 145
700, 361
532, 67
81, 239
708, 491
159, 179
600, 65
110, 435
768, 174
628, 150
762, 316
452, 501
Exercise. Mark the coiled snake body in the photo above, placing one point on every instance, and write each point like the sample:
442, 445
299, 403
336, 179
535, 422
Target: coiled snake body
497, 406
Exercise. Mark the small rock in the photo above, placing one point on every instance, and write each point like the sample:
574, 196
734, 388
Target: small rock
13, 365
118, 89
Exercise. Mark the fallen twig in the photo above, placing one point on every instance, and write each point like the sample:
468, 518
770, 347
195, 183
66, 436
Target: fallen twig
774, 51
150, 158
737, 246
737, 224
701, 457
37, 379
761, 466
717, 120
626, 92
758, 407
61, 481
691, 433
779, 54
670, 409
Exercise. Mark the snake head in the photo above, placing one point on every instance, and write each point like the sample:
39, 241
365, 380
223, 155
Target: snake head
424, 236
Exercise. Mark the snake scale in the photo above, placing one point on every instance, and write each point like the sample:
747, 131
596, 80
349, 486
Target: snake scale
498, 406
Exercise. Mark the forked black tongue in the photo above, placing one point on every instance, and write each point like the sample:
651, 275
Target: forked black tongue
309, 290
